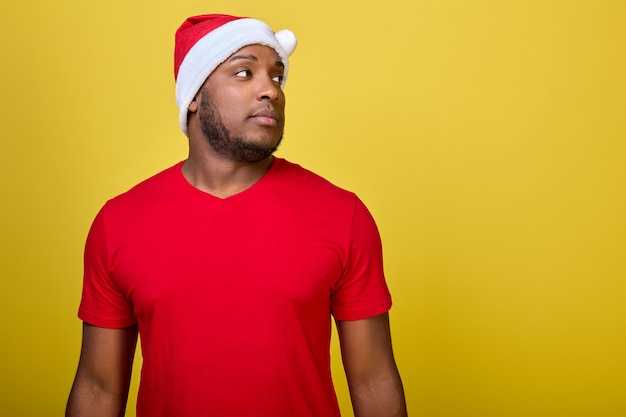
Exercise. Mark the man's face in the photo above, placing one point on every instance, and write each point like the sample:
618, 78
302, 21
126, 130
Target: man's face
242, 105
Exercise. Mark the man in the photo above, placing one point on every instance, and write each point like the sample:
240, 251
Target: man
230, 264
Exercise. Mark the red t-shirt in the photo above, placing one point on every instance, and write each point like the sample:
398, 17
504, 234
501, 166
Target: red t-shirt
233, 297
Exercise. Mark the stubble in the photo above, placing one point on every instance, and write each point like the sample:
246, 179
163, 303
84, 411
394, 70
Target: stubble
223, 142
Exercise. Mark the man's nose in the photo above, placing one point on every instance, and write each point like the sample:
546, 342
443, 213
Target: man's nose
268, 89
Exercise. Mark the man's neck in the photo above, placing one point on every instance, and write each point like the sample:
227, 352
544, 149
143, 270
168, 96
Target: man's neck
221, 177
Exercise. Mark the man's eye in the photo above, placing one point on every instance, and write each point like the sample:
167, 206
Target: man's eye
243, 73
277, 78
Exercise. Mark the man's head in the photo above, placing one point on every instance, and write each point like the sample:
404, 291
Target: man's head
204, 42
240, 108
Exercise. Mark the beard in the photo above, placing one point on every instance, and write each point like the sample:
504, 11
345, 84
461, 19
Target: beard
223, 142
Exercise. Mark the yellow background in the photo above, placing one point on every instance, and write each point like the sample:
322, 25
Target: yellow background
487, 137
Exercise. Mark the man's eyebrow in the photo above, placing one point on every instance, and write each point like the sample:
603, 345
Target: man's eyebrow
247, 57
254, 58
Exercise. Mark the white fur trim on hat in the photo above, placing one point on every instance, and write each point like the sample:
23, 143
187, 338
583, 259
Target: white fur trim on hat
215, 48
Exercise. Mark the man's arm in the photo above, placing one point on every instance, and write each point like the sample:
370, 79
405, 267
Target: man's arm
103, 376
373, 378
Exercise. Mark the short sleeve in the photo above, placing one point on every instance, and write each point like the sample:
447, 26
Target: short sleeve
102, 303
362, 291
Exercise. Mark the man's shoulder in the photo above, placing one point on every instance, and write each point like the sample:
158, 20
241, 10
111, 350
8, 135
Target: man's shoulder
157, 187
309, 181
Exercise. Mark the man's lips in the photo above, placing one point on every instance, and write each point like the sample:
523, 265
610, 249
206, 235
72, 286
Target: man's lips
266, 116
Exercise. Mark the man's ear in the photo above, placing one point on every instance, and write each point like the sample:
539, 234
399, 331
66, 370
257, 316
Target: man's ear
193, 106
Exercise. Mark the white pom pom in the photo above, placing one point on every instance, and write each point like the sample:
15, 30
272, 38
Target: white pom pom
287, 40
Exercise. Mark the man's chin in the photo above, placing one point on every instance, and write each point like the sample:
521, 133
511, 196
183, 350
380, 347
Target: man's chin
249, 151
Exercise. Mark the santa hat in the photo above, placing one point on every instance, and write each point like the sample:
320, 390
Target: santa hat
204, 42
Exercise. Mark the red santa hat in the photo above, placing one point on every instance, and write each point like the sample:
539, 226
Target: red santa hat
204, 42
